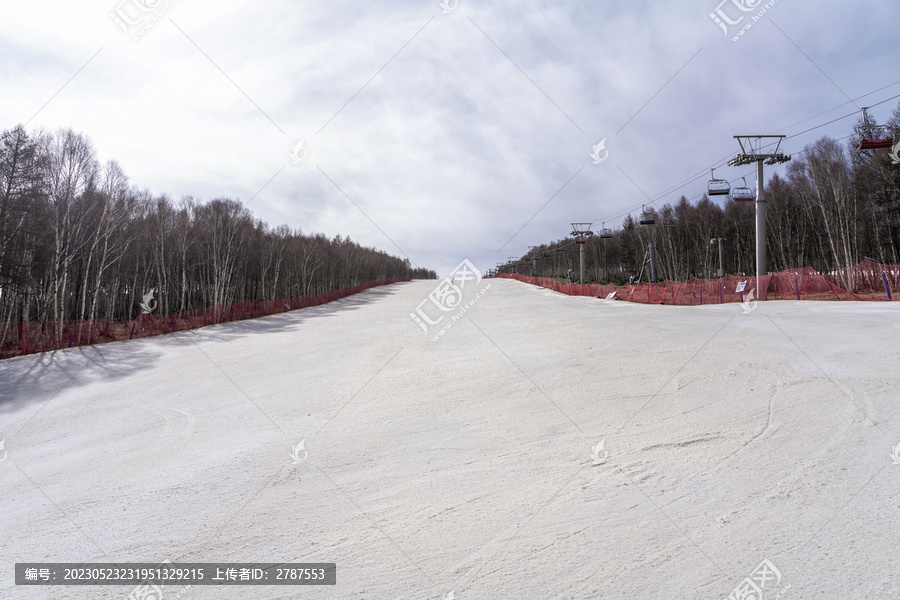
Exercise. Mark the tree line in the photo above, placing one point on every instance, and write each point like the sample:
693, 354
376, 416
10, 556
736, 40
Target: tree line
77, 241
835, 206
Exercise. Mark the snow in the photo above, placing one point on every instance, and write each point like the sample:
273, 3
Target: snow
465, 464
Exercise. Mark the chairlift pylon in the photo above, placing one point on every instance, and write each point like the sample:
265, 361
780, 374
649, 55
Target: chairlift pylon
742, 193
647, 217
581, 231
873, 137
717, 187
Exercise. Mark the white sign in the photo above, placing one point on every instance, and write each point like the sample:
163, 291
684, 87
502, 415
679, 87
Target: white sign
740, 287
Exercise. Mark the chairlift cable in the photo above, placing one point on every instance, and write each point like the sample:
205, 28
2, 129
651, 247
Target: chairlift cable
697, 178
721, 162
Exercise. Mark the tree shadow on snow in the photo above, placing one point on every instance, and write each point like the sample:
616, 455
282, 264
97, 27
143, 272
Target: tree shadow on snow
37, 378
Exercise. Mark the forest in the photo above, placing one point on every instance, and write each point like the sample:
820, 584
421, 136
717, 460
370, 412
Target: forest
78, 241
835, 206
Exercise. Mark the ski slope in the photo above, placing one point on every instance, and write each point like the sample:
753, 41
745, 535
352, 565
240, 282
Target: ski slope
462, 468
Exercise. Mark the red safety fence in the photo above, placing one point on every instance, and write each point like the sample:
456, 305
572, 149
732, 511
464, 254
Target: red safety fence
28, 338
868, 280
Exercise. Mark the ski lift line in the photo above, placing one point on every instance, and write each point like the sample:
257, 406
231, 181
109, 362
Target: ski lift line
663, 194
840, 105
854, 113
724, 160
667, 192
697, 197
702, 174
793, 135
696, 177
883, 101
822, 125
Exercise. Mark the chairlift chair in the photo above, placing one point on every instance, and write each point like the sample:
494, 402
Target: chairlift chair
605, 232
876, 144
873, 137
647, 217
742, 193
717, 187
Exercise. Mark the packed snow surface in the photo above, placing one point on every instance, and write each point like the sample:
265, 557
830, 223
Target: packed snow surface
471, 466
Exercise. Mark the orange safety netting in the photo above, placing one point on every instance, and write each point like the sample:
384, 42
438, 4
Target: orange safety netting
868, 280
28, 338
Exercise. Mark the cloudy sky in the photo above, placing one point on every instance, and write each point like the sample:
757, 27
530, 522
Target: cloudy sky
442, 132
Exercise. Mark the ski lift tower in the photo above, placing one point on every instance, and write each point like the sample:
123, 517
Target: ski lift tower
534, 260
649, 218
721, 272
579, 232
560, 252
749, 155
